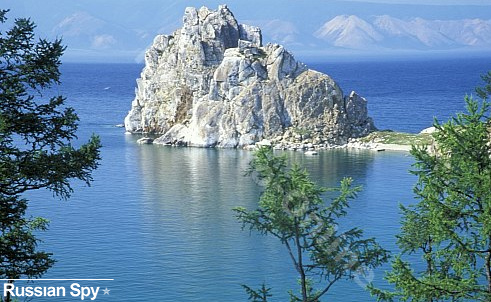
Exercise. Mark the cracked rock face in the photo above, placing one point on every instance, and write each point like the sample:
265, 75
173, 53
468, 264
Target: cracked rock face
213, 83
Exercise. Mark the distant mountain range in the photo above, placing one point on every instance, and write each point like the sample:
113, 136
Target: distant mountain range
82, 30
393, 33
101, 31
87, 35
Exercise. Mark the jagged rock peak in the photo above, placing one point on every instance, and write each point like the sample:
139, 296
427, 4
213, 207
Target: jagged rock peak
213, 83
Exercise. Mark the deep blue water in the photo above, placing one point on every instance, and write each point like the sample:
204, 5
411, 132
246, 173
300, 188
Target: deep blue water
158, 219
407, 95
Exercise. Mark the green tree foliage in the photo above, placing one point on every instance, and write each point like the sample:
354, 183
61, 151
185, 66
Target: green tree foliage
450, 225
18, 253
36, 133
260, 295
291, 208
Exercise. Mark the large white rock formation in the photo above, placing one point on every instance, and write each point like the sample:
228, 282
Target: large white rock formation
213, 83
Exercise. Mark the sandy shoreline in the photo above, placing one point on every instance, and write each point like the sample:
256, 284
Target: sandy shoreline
378, 146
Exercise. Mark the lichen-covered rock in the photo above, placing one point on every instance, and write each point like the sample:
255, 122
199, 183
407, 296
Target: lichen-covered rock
213, 83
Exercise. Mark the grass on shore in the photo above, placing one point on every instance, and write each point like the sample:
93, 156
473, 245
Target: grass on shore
398, 138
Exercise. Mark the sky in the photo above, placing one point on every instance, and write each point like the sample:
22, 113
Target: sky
121, 30
428, 2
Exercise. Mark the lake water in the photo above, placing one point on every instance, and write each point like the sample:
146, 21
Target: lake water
159, 219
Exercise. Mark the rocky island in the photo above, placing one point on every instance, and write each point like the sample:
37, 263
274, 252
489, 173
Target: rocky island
213, 83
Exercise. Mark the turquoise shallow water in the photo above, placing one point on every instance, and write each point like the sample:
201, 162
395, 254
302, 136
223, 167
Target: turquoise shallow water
158, 219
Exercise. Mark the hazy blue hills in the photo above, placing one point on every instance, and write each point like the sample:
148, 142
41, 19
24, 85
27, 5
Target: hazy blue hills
83, 31
122, 30
415, 33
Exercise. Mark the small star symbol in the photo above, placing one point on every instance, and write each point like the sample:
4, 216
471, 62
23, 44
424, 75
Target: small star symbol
106, 291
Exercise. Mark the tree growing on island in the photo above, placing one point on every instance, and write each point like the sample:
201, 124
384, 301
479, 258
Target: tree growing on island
291, 208
450, 226
36, 135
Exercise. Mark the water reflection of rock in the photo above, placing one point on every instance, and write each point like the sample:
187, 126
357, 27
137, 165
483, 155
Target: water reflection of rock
202, 184
191, 236
190, 229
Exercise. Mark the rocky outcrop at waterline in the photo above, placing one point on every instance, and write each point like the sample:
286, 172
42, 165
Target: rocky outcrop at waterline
213, 83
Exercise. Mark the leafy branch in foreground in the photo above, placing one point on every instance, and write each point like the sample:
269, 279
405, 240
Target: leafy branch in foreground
18, 254
450, 226
291, 209
36, 151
